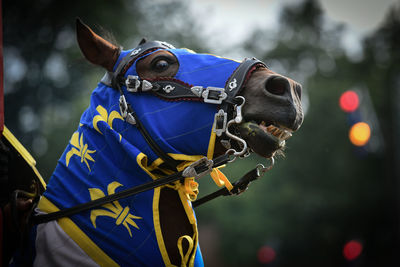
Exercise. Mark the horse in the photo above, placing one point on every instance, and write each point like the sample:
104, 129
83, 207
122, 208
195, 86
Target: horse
158, 112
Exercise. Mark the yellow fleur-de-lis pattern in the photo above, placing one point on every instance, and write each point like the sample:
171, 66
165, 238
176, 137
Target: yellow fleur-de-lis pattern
80, 149
105, 117
113, 210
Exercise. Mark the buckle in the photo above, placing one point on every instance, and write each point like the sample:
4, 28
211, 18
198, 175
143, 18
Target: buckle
190, 171
221, 97
132, 83
220, 117
123, 106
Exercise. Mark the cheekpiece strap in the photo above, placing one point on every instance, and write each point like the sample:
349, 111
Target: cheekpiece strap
238, 78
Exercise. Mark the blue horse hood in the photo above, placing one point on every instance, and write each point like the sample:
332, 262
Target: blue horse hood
182, 127
107, 154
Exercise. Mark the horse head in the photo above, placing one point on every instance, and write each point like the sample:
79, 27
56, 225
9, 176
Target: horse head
158, 111
271, 104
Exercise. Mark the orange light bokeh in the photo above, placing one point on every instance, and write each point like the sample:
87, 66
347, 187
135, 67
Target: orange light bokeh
360, 134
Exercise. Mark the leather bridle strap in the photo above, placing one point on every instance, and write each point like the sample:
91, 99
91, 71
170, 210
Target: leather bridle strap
238, 79
182, 90
167, 160
115, 79
239, 187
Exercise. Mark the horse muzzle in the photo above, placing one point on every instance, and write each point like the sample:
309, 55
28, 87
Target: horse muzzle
274, 112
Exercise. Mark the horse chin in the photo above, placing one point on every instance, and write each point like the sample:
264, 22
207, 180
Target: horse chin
265, 141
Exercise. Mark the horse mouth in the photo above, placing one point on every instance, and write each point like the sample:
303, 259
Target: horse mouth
264, 138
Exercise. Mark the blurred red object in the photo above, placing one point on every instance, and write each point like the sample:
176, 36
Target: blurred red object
349, 101
266, 255
352, 250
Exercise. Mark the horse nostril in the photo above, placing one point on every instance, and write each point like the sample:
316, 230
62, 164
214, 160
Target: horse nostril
298, 90
277, 85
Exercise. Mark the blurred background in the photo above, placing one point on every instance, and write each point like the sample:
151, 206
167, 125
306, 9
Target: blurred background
333, 200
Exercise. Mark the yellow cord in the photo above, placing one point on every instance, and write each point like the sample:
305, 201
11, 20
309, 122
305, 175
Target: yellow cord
185, 256
220, 179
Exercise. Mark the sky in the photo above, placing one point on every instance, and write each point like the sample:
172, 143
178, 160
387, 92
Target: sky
362, 15
237, 18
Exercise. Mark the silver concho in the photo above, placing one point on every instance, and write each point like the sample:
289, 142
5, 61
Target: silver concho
168, 88
197, 90
232, 84
136, 51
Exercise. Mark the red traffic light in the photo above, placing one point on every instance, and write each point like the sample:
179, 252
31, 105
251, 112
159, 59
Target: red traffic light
349, 101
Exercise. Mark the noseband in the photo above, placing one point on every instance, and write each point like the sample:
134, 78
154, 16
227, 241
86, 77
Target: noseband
229, 113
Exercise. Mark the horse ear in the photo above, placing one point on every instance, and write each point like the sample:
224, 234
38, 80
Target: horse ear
95, 49
144, 40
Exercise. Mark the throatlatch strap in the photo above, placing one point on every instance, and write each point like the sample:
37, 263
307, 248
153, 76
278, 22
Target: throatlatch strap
114, 80
168, 161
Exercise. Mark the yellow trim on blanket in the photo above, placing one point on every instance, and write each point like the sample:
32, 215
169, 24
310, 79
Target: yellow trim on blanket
83, 241
190, 214
157, 227
142, 161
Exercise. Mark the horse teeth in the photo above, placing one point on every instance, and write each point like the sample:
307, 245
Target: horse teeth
281, 134
286, 135
271, 129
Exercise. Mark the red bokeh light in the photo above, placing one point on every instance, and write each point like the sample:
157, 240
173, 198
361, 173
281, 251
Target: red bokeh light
352, 250
266, 255
349, 101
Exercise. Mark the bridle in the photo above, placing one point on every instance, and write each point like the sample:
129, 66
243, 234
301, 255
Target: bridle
230, 104
229, 113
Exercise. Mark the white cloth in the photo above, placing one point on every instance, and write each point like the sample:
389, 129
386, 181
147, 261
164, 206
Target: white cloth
55, 248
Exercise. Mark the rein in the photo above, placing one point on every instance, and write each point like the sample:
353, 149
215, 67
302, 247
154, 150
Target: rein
230, 106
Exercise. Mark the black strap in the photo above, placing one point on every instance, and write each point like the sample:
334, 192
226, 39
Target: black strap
136, 53
168, 161
237, 80
42, 218
178, 90
115, 78
239, 187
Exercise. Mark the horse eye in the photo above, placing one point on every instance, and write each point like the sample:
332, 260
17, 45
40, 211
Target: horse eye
160, 65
